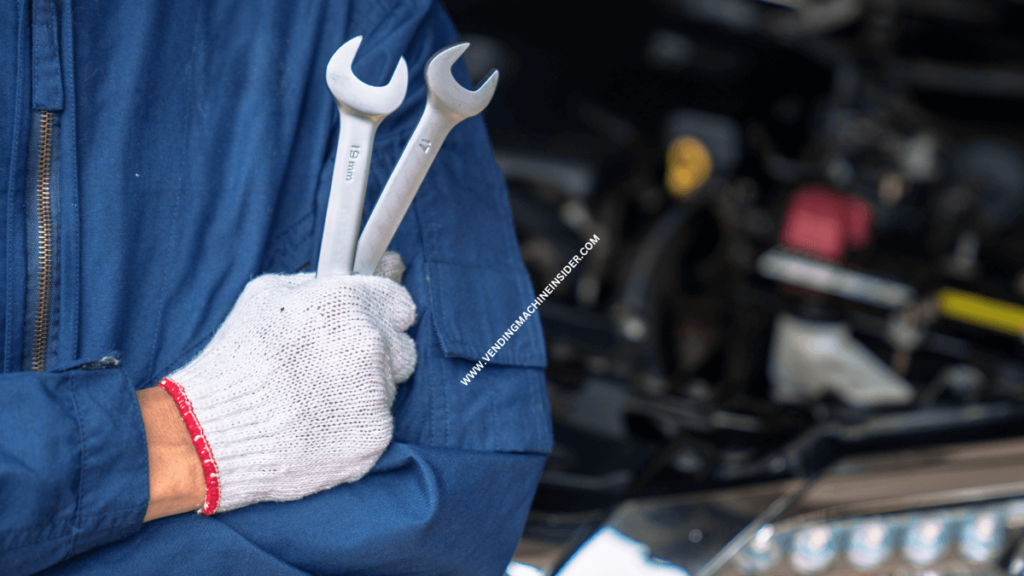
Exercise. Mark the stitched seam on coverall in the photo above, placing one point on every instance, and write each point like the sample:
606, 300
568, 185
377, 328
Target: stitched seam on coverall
13, 172
69, 170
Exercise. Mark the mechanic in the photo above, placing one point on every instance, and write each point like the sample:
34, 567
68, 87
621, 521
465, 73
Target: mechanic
186, 149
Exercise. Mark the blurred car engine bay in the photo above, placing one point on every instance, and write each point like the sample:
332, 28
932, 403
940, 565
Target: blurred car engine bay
797, 347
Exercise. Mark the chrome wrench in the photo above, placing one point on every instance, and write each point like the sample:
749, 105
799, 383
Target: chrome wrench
448, 103
361, 108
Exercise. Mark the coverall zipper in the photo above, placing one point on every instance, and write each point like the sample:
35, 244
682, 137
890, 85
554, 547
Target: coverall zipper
44, 247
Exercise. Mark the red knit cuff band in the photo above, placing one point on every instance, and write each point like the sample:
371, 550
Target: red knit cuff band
195, 430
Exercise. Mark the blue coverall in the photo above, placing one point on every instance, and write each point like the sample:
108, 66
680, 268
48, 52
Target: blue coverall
192, 149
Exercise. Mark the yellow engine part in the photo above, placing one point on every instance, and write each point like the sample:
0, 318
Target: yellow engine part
981, 311
688, 165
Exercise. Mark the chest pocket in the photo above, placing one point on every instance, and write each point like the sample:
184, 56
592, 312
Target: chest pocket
470, 287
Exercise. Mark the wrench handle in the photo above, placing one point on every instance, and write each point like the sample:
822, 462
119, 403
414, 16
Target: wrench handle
402, 186
348, 187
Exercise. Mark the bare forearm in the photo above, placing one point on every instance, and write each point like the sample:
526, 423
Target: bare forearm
176, 482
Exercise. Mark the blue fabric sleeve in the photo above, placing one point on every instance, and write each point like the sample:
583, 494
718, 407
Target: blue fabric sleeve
422, 511
73, 466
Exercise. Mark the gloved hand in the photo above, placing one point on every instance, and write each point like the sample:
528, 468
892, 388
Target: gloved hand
293, 394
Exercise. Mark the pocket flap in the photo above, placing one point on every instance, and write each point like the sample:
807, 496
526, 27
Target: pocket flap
486, 310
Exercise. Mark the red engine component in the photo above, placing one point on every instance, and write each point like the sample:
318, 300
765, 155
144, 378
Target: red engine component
825, 223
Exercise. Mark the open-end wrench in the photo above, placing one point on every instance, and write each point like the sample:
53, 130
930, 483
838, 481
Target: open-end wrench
448, 103
362, 108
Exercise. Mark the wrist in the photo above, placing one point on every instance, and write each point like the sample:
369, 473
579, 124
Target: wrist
176, 482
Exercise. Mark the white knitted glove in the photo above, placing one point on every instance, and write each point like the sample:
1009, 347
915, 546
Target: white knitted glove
293, 394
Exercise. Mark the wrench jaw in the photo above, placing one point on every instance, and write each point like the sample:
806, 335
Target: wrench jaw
448, 103
359, 97
447, 94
